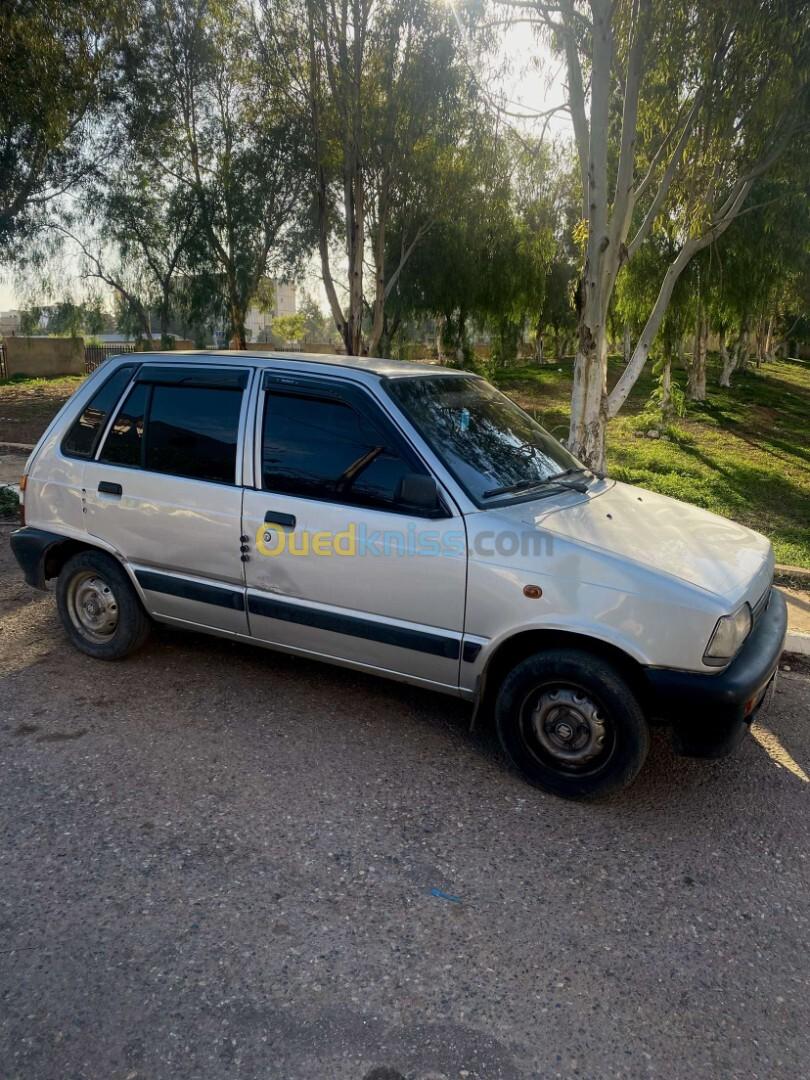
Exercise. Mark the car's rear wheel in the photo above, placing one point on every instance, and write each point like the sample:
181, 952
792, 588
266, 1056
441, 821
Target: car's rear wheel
571, 724
99, 608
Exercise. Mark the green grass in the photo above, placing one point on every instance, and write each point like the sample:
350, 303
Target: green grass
744, 453
33, 381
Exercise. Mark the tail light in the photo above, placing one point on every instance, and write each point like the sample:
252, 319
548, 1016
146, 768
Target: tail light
23, 482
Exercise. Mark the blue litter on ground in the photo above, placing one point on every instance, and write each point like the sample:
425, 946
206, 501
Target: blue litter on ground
445, 896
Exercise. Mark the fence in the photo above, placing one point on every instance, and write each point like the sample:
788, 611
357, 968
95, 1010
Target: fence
97, 354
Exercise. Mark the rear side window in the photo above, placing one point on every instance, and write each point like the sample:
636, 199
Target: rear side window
82, 439
181, 430
193, 431
322, 448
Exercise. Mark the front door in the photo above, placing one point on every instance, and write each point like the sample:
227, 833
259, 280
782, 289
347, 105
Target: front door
165, 490
341, 565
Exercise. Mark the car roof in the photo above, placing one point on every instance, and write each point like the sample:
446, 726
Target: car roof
372, 364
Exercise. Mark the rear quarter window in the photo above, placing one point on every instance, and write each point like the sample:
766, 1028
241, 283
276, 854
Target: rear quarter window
85, 432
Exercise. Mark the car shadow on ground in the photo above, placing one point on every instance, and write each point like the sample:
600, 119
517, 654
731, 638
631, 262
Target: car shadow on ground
745, 782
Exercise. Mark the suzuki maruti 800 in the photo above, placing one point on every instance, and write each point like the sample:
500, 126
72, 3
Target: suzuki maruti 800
409, 521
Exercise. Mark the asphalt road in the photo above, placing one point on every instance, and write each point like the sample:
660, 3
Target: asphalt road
218, 862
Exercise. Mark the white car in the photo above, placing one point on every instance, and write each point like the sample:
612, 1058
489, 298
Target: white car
411, 522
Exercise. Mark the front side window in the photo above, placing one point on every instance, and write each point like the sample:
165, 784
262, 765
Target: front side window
493, 448
323, 448
187, 431
82, 439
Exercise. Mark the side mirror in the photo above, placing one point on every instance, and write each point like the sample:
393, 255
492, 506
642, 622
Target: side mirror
418, 491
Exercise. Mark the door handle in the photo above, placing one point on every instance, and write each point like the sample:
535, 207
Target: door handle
106, 488
286, 521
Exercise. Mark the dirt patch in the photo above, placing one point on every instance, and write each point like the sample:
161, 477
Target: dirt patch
26, 408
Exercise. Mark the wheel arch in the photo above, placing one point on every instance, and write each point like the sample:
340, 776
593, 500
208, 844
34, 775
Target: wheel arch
56, 555
42, 554
525, 643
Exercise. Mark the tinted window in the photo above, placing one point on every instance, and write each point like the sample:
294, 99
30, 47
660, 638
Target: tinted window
486, 441
192, 431
125, 438
83, 436
322, 448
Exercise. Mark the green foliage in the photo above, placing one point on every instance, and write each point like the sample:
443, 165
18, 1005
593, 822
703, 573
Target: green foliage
9, 502
226, 143
494, 259
30, 321
57, 76
318, 328
289, 327
671, 402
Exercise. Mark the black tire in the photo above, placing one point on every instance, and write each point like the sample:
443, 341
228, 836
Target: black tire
99, 608
570, 724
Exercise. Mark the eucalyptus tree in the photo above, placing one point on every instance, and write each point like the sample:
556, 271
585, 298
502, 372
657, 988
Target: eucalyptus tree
758, 268
489, 258
135, 231
224, 136
58, 74
384, 91
677, 108
635, 292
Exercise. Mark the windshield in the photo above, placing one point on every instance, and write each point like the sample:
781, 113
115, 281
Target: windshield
491, 446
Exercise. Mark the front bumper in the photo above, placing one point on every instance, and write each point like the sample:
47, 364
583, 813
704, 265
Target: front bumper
709, 713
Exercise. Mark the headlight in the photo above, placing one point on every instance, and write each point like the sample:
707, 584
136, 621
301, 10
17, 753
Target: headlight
729, 634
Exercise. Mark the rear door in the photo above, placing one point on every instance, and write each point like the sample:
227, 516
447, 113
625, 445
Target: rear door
341, 566
165, 490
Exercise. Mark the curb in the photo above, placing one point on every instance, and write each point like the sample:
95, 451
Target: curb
797, 642
27, 447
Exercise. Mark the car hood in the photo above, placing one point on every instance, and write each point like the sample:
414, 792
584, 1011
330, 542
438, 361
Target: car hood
659, 533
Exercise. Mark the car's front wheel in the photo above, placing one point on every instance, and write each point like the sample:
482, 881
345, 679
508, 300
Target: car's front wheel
571, 724
99, 608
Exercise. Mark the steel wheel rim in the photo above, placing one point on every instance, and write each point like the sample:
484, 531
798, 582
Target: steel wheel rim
565, 727
92, 606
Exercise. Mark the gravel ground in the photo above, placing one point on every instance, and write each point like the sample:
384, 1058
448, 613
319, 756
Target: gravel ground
218, 862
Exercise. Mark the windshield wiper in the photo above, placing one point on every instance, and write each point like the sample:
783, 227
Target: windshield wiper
525, 486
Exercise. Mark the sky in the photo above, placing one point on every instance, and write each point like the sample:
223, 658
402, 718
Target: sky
522, 71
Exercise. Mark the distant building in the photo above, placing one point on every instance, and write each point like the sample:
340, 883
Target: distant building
258, 324
10, 322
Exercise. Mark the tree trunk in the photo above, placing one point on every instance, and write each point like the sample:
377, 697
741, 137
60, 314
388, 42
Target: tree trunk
538, 344
146, 322
627, 345
164, 314
586, 437
769, 339
666, 384
728, 358
461, 340
742, 348
378, 250
697, 369
236, 314
355, 214
440, 320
